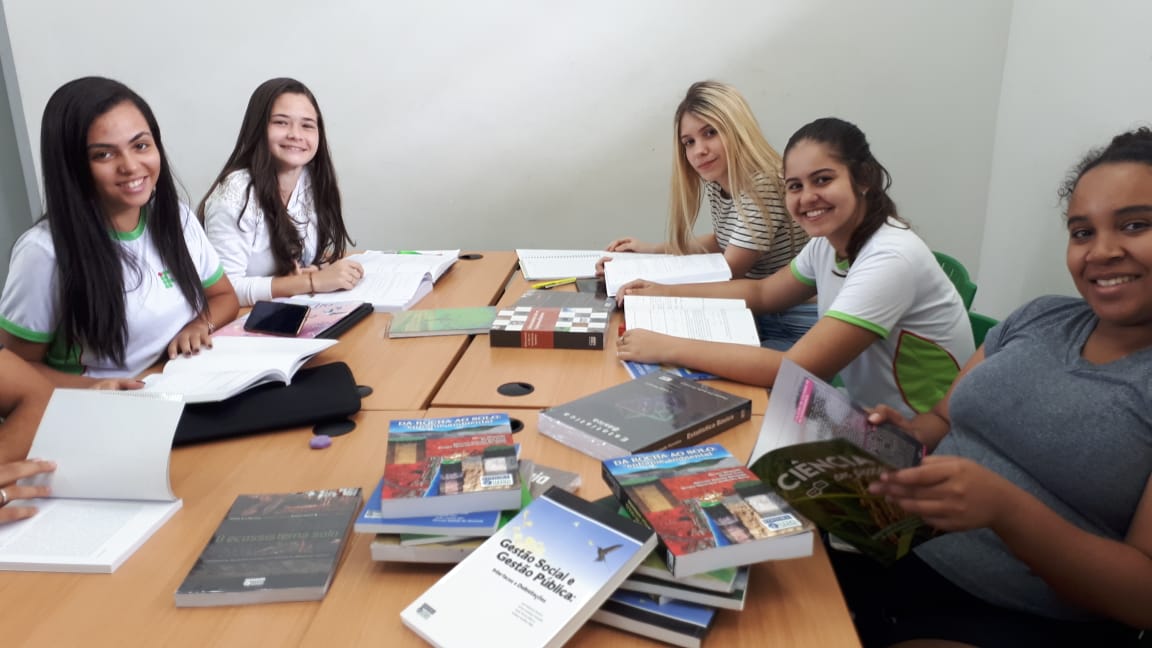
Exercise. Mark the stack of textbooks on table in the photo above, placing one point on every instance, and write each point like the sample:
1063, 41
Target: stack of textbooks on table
422, 462
654, 412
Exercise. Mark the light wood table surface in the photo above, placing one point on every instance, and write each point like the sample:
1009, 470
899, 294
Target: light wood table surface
791, 603
405, 373
557, 375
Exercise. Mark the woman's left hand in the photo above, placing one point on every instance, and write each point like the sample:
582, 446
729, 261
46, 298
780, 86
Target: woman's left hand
642, 345
949, 493
194, 336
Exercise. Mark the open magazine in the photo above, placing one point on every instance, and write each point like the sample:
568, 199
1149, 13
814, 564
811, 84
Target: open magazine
819, 452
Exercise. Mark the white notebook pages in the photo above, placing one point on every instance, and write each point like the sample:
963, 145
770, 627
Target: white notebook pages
542, 265
391, 282
233, 365
110, 490
696, 318
666, 269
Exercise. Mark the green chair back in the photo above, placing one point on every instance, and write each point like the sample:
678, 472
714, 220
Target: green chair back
980, 326
959, 276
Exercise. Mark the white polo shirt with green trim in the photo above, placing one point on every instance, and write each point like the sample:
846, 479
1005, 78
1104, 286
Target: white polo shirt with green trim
155, 308
895, 289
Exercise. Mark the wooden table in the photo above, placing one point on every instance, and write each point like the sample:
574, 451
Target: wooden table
405, 373
557, 375
791, 603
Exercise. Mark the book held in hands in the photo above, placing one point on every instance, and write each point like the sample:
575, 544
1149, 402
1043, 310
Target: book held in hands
819, 452
653, 412
553, 319
709, 511
110, 490
440, 466
535, 582
273, 548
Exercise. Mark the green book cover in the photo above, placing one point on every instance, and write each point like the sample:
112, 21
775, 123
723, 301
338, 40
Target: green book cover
442, 321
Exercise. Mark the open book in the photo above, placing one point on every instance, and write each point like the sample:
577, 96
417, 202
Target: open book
110, 491
391, 282
537, 265
666, 269
233, 365
695, 318
819, 452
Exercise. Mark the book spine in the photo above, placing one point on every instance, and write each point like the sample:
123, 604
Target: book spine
705, 429
546, 339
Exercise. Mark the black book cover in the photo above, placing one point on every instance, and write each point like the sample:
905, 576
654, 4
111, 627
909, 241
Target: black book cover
654, 412
546, 319
273, 547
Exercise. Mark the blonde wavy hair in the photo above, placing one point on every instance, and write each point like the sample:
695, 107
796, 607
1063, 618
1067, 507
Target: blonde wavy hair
750, 158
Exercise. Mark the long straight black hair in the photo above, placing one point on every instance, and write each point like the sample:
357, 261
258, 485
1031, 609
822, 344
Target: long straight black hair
252, 153
847, 143
94, 272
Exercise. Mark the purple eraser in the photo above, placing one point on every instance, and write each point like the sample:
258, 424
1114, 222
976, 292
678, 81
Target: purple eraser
320, 441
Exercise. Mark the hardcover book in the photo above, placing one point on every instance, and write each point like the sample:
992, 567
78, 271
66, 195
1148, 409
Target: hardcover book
272, 548
547, 319
654, 412
709, 511
453, 465
678, 623
325, 321
537, 580
819, 452
442, 321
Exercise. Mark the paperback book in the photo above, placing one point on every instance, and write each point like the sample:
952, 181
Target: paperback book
535, 582
442, 321
696, 318
819, 452
677, 589
550, 319
678, 623
392, 548
110, 490
665, 269
654, 412
453, 465
371, 520
392, 281
272, 548
709, 511
326, 321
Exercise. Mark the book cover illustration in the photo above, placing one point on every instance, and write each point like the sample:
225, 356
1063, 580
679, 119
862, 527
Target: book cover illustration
818, 450
638, 369
553, 319
432, 461
699, 499
442, 321
321, 317
272, 547
371, 520
542, 575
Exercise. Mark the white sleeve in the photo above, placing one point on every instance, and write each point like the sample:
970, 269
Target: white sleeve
803, 264
877, 292
204, 257
232, 242
29, 307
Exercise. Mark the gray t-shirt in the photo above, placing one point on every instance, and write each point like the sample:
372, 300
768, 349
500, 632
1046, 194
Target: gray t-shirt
1076, 435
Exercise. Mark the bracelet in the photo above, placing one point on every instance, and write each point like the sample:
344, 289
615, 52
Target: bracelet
211, 326
311, 285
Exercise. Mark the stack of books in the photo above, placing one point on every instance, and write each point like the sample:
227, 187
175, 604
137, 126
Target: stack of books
449, 483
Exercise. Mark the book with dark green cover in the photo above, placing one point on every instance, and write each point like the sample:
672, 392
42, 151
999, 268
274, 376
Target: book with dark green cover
819, 452
273, 548
654, 412
442, 321
553, 319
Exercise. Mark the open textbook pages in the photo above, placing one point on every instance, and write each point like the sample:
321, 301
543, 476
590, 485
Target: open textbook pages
538, 265
665, 269
233, 365
696, 318
110, 490
391, 282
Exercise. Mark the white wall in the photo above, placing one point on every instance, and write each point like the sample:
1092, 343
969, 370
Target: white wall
15, 207
1076, 73
517, 123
